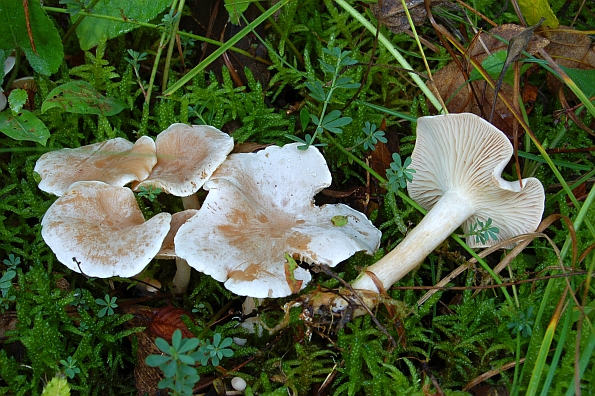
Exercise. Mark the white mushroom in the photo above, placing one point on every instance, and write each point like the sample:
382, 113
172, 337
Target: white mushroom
99, 229
115, 161
238, 383
458, 160
260, 207
186, 157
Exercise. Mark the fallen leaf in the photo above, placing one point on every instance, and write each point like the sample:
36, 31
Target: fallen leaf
457, 93
570, 49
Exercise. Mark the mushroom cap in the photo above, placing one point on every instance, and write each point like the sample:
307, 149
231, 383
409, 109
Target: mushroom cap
115, 161
259, 207
102, 227
464, 152
186, 157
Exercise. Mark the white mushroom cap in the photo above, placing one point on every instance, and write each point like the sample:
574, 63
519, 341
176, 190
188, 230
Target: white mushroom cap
259, 207
465, 153
186, 157
115, 161
238, 383
103, 228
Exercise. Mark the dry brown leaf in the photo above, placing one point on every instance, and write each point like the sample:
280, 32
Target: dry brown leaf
569, 49
450, 81
392, 15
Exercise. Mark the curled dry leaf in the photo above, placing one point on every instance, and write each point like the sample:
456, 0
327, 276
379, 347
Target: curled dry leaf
568, 48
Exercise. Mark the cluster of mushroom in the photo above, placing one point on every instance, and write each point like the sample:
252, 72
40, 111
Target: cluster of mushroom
259, 208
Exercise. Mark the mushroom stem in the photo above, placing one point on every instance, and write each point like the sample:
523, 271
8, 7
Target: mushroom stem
191, 202
182, 276
441, 221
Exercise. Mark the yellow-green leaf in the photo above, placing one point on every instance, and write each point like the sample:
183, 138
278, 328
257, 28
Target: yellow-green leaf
58, 386
534, 10
290, 265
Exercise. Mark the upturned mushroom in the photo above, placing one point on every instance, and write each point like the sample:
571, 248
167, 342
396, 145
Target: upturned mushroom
99, 230
259, 210
458, 161
116, 162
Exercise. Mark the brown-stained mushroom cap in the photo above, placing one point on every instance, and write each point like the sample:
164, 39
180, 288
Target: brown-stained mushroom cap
102, 228
186, 157
259, 207
115, 161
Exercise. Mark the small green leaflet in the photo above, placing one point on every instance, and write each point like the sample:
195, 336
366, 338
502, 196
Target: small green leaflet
17, 100
80, 97
235, 8
534, 10
339, 221
24, 126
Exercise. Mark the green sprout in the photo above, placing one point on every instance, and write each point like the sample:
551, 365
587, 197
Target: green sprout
215, 351
176, 363
331, 121
108, 306
150, 192
373, 136
12, 261
483, 232
70, 367
399, 174
523, 323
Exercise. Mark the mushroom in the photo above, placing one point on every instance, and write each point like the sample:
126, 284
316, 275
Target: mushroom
115, 161
99, 230
259, 210
186, 157
167, 251
458, 161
